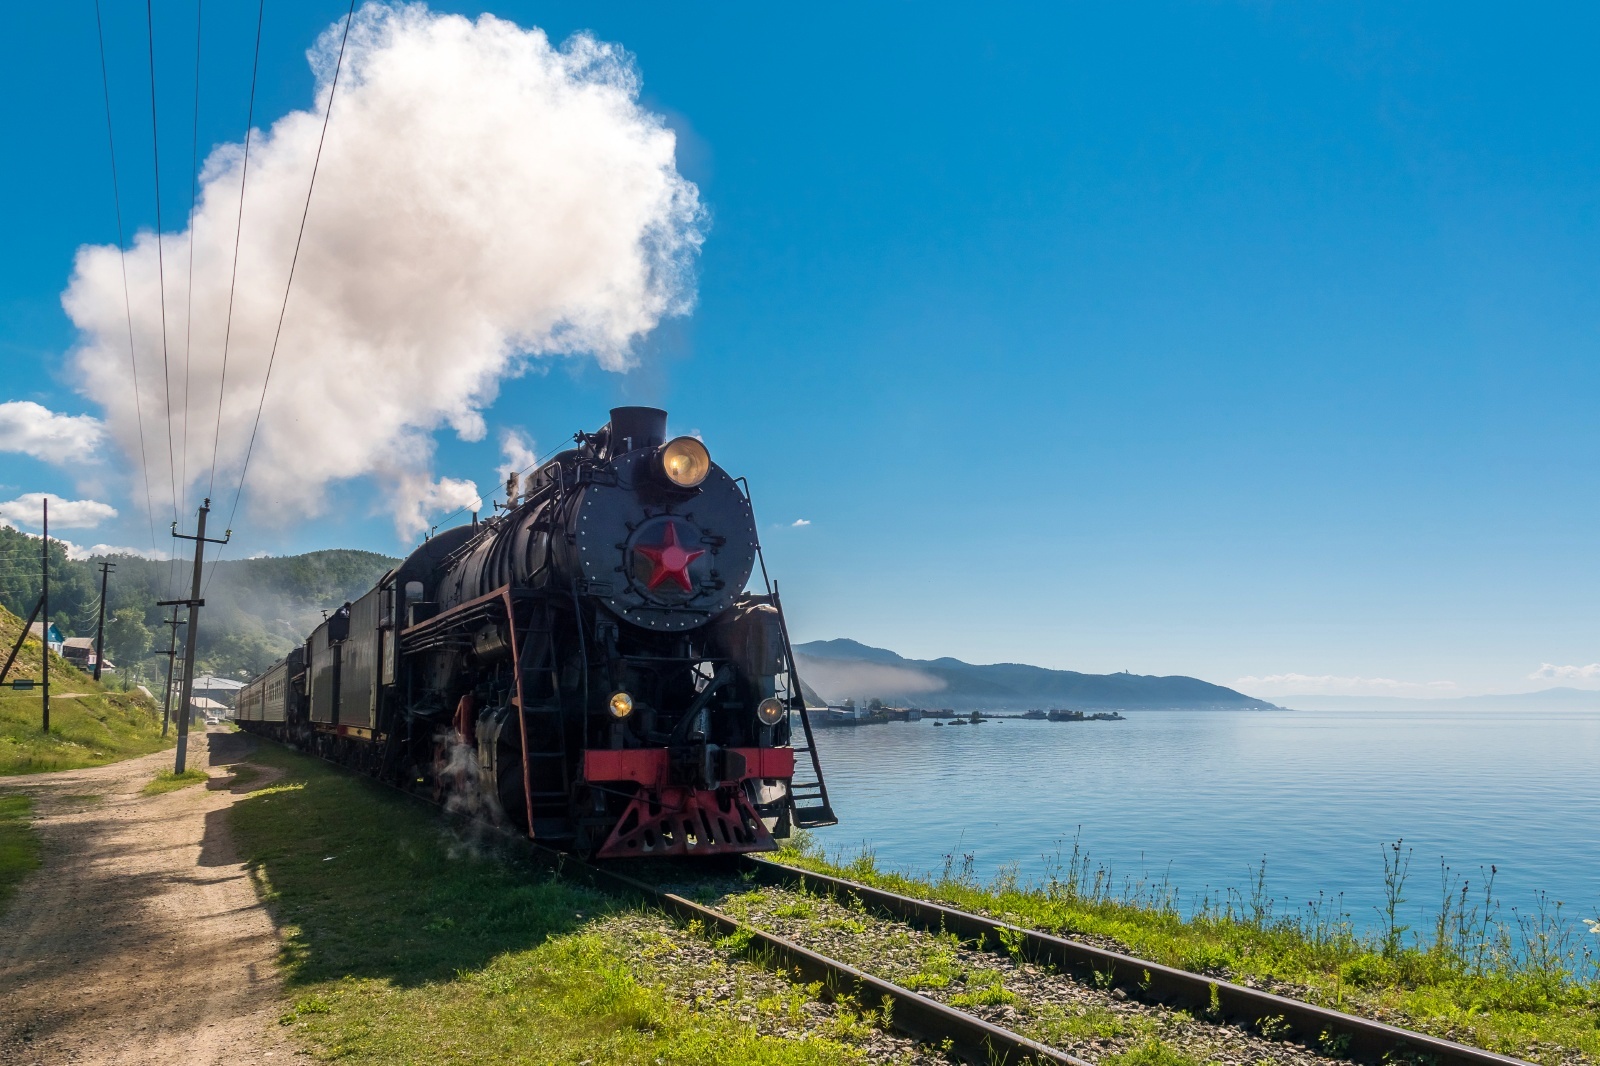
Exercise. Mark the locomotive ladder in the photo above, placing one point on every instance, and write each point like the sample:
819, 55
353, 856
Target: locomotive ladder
540, 675
808, 795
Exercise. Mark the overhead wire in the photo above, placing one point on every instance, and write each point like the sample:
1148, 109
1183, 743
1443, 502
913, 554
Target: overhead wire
238, 228
194, 189
272, 357
122, 254
161, 274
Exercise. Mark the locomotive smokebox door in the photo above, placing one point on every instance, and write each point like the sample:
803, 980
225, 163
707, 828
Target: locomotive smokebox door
659, 556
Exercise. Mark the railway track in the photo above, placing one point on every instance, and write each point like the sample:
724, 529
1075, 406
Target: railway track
1058, 980
1237, 1023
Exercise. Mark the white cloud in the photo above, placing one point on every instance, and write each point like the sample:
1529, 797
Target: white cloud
484, 198
1292, 684
798, 522
1552, 672
35, 430
28, 510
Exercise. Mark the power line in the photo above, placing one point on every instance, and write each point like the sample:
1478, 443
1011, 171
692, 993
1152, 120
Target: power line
238, 228
194, 178
333, 89
161, 268
127, 306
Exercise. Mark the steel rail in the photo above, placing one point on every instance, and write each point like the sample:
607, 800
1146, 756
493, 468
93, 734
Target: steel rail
1361, 1038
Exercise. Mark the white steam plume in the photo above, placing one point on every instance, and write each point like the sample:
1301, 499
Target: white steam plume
483, 198
516, 454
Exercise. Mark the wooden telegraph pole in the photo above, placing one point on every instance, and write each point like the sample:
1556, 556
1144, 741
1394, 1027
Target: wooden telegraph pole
195, 603
44, 603
100, 626
172, 654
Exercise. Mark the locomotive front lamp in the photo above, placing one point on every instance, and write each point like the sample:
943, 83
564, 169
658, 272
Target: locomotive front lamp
770, 711
685, 461
621, 705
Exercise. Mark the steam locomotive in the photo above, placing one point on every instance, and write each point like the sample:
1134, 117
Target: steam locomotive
586, 665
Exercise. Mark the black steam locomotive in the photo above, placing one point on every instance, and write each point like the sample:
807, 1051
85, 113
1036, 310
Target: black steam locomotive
585, 665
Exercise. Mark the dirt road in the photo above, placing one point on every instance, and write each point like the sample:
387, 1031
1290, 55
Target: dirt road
140, 940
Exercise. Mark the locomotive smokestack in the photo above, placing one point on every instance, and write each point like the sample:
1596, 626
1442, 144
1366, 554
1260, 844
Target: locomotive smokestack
633, 428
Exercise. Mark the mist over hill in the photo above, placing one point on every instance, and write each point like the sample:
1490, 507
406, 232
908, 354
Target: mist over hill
255, 609
841, 668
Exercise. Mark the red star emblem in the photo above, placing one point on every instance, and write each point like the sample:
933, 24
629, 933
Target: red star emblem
671, 560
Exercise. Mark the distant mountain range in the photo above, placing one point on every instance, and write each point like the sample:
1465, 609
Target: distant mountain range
1550, 699
840, 669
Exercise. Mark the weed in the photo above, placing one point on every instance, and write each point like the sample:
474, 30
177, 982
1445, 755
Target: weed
1151, 1052
1012, 940
1395, 868
167, 781
1273, 1027
1334, 1045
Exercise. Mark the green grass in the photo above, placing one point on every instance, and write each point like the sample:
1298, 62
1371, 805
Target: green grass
243, 774
167, 781
93, 726
19, 844
401, 944
1522, 984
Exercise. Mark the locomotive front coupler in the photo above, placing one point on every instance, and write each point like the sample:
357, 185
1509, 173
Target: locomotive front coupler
704, 766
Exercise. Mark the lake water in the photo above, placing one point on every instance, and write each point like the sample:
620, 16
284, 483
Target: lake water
1202, 797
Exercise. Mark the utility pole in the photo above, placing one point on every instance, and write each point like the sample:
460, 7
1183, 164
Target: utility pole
20, 638
172, 654
195, 603
100, 626
44, 602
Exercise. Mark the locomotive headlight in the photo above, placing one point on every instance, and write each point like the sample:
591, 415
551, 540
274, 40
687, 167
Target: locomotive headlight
621, 705
685, 461
770, 711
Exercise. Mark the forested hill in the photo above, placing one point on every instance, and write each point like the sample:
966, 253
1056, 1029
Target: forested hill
255, 611
840, 669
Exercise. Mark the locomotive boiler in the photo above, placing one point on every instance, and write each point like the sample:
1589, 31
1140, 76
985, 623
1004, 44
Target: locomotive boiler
589, 664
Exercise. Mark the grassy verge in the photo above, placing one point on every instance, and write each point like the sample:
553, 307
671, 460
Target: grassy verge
167, 781
404, 945
90, 724
1526, 985
19, 844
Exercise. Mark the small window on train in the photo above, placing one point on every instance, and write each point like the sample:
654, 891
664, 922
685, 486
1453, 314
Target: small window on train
413, 591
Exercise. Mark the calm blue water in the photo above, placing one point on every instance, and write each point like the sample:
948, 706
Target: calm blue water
1203, 796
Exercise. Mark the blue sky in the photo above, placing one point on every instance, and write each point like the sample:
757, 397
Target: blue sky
1235, 340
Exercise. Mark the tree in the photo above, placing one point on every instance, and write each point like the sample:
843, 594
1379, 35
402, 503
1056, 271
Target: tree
875, 704
127, 637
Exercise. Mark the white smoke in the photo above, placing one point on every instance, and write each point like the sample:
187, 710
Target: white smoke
483, 199
516, 453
